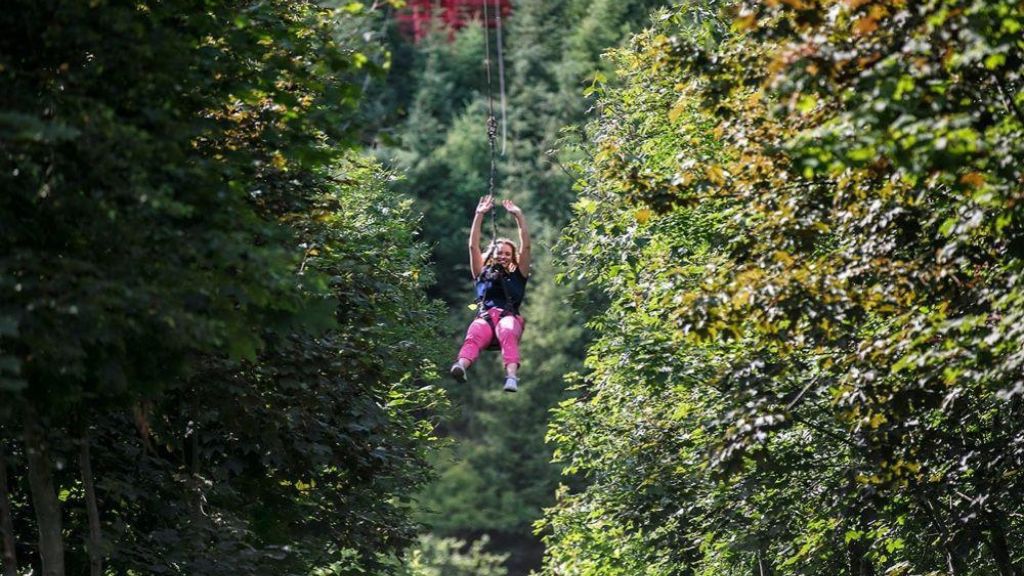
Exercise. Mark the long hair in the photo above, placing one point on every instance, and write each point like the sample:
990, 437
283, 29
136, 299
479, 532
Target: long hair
489, 256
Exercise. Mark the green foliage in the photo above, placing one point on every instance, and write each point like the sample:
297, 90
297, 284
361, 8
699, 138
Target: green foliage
804, 217
204, 282
290, 453
139, 136
435, 556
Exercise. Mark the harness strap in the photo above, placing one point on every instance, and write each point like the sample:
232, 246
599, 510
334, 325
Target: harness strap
481, 313
504, 292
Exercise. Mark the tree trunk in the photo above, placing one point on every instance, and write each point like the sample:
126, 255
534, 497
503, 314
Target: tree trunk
762, 566
1001, 551
44, 497
6, 523
949, 547
862, 513
197, 482
95, 531
952, 561
860, 564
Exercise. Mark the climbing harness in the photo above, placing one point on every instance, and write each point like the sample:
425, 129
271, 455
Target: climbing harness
493, 274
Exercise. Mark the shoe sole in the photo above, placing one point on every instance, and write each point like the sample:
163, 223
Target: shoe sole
459, 374
510, 388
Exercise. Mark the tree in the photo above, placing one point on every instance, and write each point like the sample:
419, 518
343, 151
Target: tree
809, 206
183, 259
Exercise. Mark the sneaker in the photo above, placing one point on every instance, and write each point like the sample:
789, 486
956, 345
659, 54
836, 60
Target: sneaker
459, 373
511, 384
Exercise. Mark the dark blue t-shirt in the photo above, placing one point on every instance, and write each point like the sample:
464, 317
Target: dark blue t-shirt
489, 290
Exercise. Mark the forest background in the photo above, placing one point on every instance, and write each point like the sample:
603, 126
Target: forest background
785, 337
497, 477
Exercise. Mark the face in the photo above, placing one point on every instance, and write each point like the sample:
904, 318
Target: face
503, 255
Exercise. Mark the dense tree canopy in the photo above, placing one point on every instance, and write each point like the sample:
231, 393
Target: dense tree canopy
806, 216
211, 305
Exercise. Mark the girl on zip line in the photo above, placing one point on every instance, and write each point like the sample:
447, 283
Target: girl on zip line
500, 278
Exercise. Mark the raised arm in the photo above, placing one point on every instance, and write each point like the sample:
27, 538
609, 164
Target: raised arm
476, 259
524, 236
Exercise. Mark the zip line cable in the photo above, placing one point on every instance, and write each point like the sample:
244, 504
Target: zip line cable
492, 123
501, 76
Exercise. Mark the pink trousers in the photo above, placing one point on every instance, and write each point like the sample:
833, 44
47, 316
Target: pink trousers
479, 336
